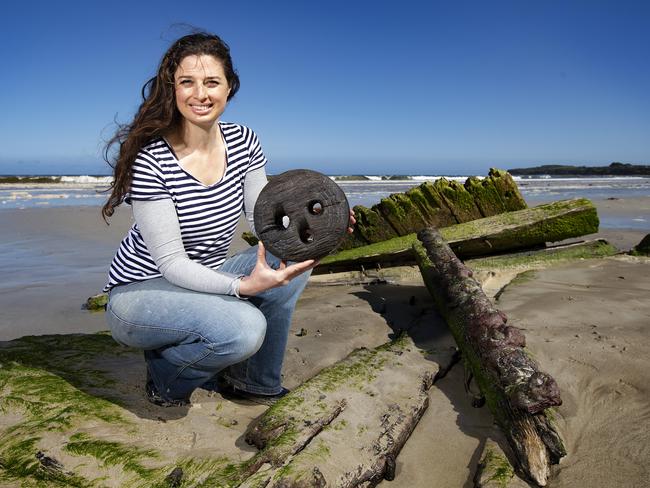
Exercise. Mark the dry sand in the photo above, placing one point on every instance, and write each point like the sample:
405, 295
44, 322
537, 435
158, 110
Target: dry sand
587, 323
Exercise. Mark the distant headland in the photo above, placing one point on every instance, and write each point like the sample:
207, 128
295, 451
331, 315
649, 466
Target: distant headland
614, 169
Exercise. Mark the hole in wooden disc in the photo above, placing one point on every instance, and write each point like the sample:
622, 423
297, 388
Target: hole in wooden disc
307, 236
315, 207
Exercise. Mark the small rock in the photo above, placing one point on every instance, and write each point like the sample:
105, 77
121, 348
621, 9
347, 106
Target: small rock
234, 422
302, 332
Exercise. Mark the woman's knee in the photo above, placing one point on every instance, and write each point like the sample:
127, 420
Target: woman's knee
250, 334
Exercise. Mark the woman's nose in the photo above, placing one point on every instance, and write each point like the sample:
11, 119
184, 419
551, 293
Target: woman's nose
200, 91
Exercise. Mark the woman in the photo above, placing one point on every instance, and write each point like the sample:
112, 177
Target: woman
173, 293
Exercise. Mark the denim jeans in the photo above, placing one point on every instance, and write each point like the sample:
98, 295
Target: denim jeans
189, 336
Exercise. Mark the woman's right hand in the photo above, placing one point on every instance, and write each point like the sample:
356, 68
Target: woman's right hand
264, 277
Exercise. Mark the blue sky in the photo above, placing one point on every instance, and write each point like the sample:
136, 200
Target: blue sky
362, 87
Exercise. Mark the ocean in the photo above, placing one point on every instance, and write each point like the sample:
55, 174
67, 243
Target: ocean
57, 191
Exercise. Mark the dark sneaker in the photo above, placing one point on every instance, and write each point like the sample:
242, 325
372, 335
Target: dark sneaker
233, 392
154, 396
216, 384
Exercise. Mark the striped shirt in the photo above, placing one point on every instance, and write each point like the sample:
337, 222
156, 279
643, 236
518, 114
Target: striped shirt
207, 215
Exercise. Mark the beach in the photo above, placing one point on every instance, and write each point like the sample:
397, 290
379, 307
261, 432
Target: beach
587, 323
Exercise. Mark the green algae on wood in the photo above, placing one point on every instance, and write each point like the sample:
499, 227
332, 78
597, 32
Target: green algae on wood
401, 213
490, 235
97, 302
312, 436
485, 195
596, 248
371, 225
458, 200
496, 193
494, 469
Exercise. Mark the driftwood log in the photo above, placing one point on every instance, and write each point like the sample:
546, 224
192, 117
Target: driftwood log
522, 229
515, 390
345, 426
301, 214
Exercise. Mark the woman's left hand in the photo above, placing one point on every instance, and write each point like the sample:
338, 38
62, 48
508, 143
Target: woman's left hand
264, 277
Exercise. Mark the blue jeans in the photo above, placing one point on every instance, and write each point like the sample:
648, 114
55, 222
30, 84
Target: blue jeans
189, 336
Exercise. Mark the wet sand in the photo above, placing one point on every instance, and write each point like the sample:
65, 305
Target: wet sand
587, 323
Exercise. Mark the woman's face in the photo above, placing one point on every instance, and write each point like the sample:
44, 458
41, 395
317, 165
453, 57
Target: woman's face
201, 89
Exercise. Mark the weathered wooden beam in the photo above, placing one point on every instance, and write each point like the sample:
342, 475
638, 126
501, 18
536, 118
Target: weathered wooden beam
539, 258
439, 203
500, 233
516, 391
345, 426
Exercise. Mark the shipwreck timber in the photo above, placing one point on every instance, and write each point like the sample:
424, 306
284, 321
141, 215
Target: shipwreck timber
515, 390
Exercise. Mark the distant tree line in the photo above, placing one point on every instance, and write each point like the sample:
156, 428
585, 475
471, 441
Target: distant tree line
614, 169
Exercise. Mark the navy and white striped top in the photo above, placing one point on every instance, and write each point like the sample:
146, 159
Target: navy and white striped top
208, 215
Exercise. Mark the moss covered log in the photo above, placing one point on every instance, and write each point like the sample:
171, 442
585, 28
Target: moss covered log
515, 390
539, 258
522, 229
345, 426
439, 204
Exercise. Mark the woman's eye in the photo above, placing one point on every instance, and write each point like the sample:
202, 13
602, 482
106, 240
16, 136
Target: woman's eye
186, 82
212, 83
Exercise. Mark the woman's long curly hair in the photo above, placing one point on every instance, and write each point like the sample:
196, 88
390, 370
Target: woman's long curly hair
158, 115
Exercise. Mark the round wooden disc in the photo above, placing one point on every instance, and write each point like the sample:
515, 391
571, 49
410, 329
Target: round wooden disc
301, 214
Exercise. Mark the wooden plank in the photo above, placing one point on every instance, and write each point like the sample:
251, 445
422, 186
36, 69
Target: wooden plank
500, 233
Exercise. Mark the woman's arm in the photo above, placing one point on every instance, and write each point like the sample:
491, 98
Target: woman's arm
254, 181
158, 224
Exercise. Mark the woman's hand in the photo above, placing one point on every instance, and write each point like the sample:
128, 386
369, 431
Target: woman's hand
353, 221
264, 277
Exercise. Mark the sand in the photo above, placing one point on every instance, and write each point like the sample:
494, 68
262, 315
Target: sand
587, 323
